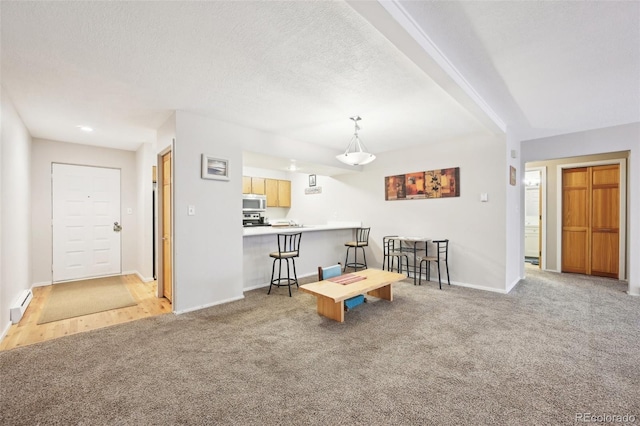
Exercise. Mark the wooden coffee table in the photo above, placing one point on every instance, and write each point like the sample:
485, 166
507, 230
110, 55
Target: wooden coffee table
331, 296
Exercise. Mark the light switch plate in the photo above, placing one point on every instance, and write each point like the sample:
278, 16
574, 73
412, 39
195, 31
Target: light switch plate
191, 210
129, 210
484, 197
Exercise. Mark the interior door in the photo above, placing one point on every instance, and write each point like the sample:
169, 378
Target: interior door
167, 270
605, 220
575, 220
85, 222
591, 220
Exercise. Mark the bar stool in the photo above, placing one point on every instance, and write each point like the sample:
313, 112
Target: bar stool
362, 241
288, 249
442, 255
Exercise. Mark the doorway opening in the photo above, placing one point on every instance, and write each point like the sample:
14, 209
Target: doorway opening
165, 225
534, 215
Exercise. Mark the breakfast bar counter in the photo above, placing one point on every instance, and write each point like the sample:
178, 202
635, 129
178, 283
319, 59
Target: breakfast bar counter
320, 245
251, 231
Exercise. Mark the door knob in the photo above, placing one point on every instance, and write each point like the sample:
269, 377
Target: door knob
117, 227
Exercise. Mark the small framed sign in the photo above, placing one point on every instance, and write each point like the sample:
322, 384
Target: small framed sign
214, 168
312, 180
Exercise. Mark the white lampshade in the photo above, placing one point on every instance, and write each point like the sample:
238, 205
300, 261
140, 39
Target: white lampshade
356, 158
356, 153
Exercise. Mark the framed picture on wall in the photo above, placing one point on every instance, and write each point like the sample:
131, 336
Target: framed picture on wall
214, 168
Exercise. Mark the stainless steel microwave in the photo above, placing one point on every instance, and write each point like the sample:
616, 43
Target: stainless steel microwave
254, 203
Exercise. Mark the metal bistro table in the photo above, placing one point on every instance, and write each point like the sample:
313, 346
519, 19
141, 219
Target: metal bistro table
412, 243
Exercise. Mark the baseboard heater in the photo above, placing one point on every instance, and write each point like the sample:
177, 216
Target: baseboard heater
18, 309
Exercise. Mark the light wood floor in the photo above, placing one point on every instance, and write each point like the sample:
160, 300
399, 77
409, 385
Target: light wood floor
27, 332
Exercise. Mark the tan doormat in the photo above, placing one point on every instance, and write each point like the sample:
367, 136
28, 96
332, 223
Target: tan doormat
68, 300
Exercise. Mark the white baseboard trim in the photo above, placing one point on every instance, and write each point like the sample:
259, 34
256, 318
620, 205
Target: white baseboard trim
512, 285
41, 284
143, 279
473, 286
255, 287
208, 305
5, 331
264, 285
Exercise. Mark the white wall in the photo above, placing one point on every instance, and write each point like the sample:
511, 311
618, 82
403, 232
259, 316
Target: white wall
15, 224
46, 152
476, 230
610, 139
514, 238
208, 245
208, 248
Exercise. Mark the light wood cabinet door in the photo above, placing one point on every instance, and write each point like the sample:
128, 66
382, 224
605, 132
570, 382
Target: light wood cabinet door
271, 188
284, 193
246, 184
278, 192
257, 186
253, 185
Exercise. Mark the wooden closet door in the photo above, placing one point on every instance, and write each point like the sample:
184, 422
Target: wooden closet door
591, 220
575, 220
605, 220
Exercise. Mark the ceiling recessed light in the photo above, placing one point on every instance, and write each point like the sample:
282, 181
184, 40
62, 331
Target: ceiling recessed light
85, 128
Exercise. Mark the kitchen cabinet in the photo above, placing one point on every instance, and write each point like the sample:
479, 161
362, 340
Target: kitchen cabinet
278, 193
253, 185
284, 193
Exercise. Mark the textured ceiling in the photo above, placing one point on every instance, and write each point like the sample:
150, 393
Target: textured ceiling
300, 69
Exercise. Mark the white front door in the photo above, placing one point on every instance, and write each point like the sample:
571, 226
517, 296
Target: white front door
86, 218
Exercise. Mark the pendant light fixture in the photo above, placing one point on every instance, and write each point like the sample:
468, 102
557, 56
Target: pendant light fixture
356, 153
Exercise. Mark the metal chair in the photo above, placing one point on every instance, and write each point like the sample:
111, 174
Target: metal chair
391, 250
361, 241
442, 255
288, 249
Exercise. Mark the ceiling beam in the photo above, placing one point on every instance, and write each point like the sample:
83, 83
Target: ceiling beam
393, 21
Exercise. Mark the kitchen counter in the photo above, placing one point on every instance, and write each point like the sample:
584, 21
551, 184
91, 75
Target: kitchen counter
321, 245
270, 230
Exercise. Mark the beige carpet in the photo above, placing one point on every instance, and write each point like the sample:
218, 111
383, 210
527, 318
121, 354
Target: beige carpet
556, 346
68, 300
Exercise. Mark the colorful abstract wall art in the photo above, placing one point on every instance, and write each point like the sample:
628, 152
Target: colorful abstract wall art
440, 183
